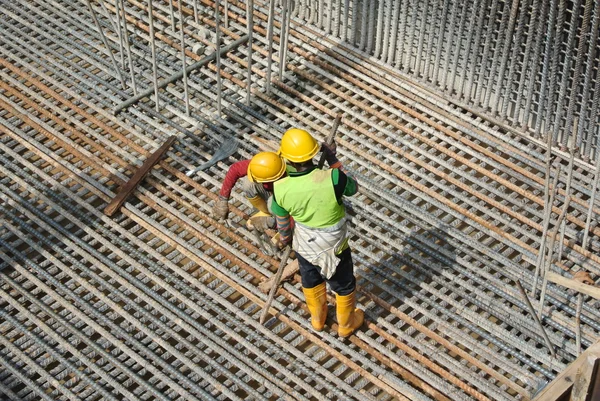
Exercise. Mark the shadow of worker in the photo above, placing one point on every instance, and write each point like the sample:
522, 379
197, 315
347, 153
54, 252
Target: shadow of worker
404, 280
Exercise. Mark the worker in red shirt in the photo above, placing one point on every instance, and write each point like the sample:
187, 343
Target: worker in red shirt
261, 171
313, 198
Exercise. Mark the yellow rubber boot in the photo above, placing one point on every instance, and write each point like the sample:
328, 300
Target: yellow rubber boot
349, 316
316, 300
259, 203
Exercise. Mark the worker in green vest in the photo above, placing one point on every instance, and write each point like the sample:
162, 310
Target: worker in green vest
313, 198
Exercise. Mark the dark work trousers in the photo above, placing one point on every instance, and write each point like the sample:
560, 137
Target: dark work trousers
342, 282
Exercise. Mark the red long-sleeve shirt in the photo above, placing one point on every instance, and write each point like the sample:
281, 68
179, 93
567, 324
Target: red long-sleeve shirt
235, 172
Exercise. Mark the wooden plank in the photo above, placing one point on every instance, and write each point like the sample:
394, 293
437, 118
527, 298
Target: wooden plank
130, 186
574, 285
583, 378
561, 388
595, 387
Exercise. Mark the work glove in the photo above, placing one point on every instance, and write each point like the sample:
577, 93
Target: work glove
262, 223
330, 152
221, 208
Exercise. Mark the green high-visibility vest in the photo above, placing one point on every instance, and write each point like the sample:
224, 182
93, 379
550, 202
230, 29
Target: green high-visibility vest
310, 198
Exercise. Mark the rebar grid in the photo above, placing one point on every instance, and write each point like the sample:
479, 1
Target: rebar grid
162, 300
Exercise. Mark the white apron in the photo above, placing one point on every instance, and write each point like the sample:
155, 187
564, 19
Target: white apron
321, 245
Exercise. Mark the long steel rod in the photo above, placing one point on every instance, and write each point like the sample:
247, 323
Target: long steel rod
473, 64
172, 15
379, 29
398, 53
517, 45
559, 221
154, 66
487, 47
108, 49
535, 318
119, 32
550, 257
183, 60
270, 34
461, 30
578, 323
554, 68
508, 43
284, 37
389, 52
568, 60
250, 25
549, 193
425, 18
589, 5
364, 24
451, 40
121, 4
218, 40
330, 7
534, 62
587, 84
276, 281
195, 7
407, 54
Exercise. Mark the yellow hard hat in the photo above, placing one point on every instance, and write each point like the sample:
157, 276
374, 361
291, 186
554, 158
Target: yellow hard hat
298, 145
266, 167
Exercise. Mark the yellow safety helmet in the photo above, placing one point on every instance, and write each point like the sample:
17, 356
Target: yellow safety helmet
266, 167
298, 146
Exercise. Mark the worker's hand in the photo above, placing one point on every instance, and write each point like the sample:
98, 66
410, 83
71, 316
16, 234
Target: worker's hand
330, 152
284, 241
262, 223
221, 208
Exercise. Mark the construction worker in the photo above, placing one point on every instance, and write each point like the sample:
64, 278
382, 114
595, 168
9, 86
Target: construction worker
313, 198
261, 171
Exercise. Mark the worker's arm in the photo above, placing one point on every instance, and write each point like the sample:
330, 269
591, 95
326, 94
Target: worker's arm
235, 172
343, 184
284, 222
330, 152
333, 162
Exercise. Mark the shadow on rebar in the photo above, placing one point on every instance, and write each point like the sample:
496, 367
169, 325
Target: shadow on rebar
406, 276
